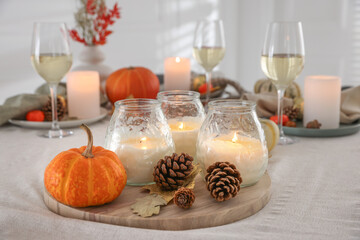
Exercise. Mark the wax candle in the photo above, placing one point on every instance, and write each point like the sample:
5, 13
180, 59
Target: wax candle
322, 100
83, 94
184, 133
177, 73
247, 154
140, 155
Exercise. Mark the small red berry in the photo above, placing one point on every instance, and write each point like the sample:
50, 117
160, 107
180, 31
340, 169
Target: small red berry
35, 116
202, 89
285, 119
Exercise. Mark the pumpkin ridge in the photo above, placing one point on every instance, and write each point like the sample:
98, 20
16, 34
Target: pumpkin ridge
50, 169
128, 83
108, 175
90, 182
142, 83
107, 154
65, 183
116, 83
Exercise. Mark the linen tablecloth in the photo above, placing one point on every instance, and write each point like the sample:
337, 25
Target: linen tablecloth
315, 193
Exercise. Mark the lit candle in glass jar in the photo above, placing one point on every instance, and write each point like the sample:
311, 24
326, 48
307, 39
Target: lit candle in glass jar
184, 132
140, 155
246, 153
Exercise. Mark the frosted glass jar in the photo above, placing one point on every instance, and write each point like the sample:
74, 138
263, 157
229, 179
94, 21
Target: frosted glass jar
232, 132
185, 114
139, 134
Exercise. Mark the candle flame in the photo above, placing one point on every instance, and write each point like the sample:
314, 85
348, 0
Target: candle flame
143, 139
234, 140
177, 59
181, 126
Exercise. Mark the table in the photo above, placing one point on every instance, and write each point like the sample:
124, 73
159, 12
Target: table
315, 193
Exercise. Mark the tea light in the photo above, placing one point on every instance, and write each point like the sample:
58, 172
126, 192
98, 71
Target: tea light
322, 100
140, 155
247, 154
83, 94
184, 133
177, 73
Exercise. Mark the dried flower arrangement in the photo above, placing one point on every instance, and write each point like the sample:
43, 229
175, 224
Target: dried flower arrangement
92, 21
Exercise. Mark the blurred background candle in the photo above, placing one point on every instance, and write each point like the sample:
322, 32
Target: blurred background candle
322, 100
83, 93
177, 73
184, 133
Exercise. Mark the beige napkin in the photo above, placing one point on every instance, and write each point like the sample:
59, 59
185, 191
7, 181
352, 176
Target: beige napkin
349, 108
350, 105
19, 105
266, 103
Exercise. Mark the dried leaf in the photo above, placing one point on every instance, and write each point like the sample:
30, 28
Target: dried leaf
148, 206
190, 180
169, 195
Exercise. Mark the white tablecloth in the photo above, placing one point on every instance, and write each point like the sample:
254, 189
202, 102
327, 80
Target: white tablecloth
315, 193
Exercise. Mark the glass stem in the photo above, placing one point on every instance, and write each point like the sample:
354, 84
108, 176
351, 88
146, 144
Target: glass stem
54, 115
208, 86
280, 93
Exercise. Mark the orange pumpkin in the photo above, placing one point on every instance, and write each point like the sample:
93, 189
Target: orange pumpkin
137, 82
85, 176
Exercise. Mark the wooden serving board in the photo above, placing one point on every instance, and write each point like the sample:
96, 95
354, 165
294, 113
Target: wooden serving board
205, 212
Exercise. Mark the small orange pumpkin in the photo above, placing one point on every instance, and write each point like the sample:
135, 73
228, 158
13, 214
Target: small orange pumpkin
137, 82
85, 176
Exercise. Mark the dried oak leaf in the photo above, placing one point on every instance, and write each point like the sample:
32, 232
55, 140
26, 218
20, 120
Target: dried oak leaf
148, 206
189, 182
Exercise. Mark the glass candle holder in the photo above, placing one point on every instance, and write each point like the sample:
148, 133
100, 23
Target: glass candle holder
139, 134
185, 114
231, 132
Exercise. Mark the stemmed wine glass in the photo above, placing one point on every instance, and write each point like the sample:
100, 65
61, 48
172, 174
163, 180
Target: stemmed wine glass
282, 60
209, 47
51, 57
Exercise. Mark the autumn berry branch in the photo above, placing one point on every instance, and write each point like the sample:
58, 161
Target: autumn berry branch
92, 22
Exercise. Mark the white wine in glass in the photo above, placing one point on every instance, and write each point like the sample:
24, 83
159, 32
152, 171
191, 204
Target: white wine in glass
209, 47
51, 57
282, 61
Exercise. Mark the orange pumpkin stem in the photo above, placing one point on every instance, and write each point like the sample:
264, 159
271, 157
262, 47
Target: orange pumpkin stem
88, 151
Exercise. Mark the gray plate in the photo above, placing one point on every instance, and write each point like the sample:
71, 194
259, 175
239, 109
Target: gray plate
63, 124
344, 129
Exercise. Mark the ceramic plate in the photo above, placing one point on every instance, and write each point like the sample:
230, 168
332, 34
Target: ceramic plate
344, 129
63, 124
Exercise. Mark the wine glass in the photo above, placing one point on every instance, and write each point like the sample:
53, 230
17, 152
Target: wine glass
282, 60
51, 58
209, 47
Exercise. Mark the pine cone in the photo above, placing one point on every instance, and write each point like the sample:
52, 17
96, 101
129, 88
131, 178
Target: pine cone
223, 181
313, 124
292, 112
61, 108
170, 172
184, 197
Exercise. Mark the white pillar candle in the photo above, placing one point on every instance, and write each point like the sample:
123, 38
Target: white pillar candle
248, 155
177, 73
83, 94
322, 100
140, 155
184, 132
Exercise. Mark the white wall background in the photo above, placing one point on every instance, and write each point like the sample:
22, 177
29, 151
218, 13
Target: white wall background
151, 30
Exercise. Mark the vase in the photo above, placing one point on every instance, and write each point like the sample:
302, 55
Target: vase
92, 58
